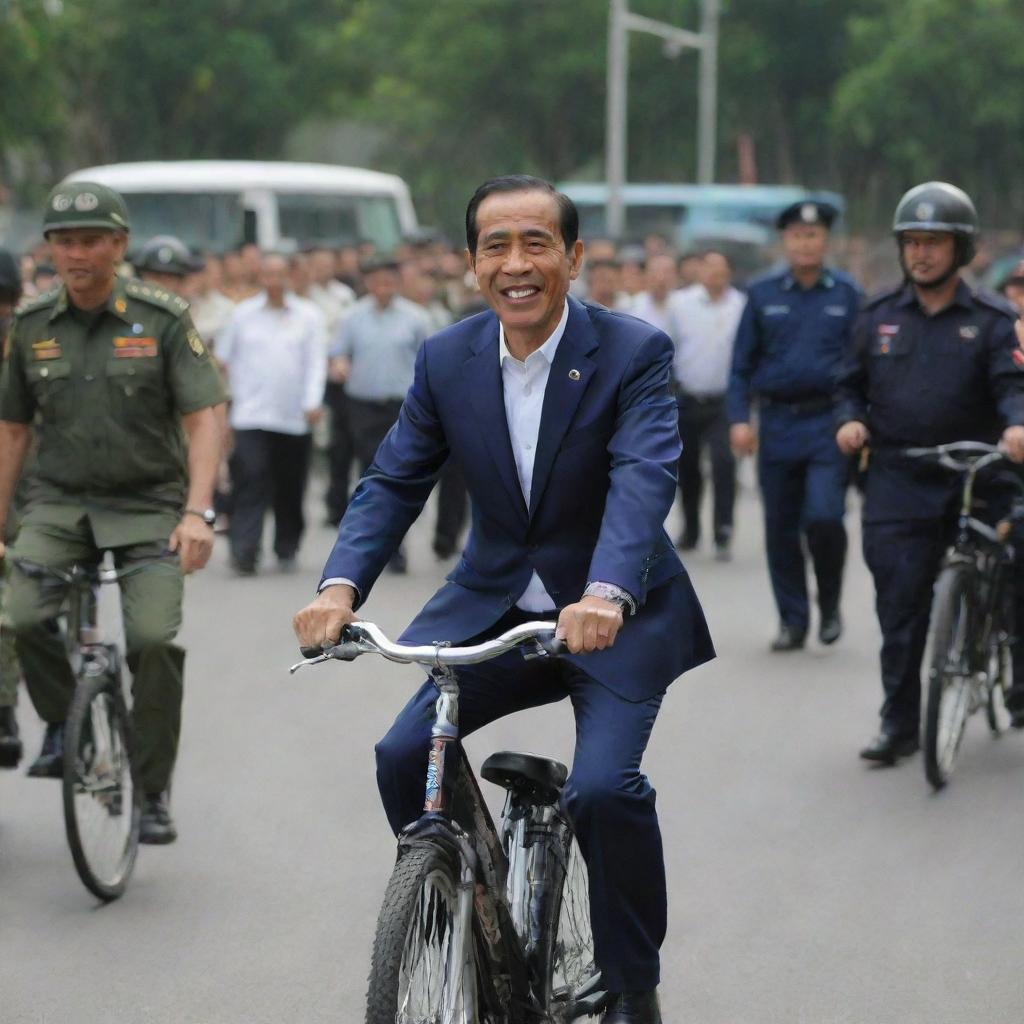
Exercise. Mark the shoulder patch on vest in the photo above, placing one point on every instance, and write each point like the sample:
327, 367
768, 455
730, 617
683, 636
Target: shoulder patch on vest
154, 296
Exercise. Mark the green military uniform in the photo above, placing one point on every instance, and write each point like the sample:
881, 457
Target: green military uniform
10, 671
105, 391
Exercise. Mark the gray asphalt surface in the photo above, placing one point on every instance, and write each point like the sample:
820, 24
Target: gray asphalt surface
806, 888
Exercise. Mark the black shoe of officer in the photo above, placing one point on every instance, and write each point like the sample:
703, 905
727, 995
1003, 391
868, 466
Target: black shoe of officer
157, 826
50, 762
10, 740
633, 1008
831, 627
789, 639
889, 747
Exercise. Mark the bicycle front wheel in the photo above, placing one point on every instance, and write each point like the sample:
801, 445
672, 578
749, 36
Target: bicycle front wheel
102, 798
950, 682
423, 966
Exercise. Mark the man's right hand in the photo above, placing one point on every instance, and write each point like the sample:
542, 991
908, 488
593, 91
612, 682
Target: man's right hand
742, 439
851, 437
320, 623
3, 550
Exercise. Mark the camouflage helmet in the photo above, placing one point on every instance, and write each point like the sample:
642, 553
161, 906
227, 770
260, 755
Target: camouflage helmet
84, 204
165, 254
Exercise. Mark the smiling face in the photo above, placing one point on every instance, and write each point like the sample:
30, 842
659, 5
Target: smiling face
521, 263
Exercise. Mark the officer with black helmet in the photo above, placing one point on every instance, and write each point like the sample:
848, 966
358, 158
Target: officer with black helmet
933, 362
166, 262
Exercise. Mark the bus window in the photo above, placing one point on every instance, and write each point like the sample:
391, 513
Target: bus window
337, 219
203, 221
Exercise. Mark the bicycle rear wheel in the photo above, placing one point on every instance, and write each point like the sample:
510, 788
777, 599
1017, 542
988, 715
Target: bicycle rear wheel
950, 685
573, 972
102, 798
422, 969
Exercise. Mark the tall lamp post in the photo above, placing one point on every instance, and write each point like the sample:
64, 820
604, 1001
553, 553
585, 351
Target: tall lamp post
621, 21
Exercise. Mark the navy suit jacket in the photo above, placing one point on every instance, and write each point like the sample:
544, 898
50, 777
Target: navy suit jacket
603, 482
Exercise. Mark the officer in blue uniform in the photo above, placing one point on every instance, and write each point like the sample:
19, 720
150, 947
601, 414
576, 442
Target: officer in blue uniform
794, 330
932, 362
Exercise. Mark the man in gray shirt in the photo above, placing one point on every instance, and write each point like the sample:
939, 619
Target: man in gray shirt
375, 354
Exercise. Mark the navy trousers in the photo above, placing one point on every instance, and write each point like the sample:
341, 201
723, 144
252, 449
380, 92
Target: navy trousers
803, 478
609, 801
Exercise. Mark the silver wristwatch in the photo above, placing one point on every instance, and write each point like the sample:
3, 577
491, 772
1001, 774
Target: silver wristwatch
208, 515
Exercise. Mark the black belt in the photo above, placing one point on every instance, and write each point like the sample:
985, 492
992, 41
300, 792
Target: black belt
802, 407
687, 396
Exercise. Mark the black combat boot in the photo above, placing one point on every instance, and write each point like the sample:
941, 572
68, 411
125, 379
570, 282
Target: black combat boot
157, 826
633, 1008
50, 762
10, 740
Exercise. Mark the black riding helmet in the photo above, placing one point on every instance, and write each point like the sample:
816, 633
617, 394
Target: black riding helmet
939, 206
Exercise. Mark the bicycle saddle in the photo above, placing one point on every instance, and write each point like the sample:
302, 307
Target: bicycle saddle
539, 779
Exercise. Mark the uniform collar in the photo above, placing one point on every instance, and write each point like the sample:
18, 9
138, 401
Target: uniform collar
825, 280
116, 304
963, 296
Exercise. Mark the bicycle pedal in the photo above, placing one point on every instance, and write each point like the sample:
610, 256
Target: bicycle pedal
589, 1006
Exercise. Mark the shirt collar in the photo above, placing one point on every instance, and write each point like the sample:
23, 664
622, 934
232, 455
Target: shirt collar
116, 304
961, 297
825, 280
289, 301
547, 350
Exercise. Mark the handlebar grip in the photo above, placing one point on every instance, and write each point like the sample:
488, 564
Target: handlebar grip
553, 646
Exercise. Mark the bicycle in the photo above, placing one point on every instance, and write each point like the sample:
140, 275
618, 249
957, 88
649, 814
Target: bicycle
480, 927
972, 622
102, 794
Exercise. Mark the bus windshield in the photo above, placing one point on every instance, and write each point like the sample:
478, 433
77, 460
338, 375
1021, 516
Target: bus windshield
203, 221
338, 219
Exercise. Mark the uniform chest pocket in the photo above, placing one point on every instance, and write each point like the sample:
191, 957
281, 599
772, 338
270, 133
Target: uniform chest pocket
136, 387
51, 386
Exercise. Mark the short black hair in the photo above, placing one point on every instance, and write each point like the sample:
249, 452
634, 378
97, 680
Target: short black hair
713, 251
568, 215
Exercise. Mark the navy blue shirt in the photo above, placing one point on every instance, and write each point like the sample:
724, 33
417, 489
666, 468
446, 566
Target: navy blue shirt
918, 380
791, 340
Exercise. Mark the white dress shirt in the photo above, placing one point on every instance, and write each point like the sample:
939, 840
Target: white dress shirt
524, 384
659, 315
704, 332
276, 360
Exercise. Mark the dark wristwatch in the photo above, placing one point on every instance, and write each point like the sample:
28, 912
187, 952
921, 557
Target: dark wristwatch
207, 515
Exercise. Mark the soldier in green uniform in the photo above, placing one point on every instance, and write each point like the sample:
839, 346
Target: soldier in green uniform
113, 379
10, 672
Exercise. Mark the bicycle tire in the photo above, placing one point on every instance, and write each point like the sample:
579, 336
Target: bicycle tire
999, 681
399, 990
101, 788
948, 700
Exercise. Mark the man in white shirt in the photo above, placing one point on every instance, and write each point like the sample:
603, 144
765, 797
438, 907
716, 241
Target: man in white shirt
705, 318
653, 304
274, 349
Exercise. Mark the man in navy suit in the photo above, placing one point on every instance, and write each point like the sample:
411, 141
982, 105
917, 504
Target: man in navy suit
560, 417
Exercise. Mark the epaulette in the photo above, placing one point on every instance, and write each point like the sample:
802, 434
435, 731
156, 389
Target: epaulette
993, 301
35, 302
772, 274
155, 296
879, 297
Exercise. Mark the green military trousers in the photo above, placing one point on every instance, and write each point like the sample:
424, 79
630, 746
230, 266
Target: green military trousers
10, 672
151, 606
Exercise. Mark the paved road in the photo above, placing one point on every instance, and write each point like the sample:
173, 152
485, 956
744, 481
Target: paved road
806, 888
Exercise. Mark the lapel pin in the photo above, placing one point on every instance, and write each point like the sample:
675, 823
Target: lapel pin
574, 375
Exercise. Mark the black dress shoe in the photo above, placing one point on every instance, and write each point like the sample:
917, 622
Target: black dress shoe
10, 740
156, 826
633, 1008
888, 748
831, 628
398, 566
687, 542
50, 762
789, 639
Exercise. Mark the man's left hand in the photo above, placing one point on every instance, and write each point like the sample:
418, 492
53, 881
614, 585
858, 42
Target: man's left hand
193, 540
1013, 443
589, 625
313, 416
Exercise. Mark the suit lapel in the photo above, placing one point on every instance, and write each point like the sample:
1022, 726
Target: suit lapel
482, 372
570, 374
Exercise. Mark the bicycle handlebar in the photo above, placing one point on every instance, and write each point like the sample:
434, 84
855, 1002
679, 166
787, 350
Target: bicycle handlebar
960, 455
360, 638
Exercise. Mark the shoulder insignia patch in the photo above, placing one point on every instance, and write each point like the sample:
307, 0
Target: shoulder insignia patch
37, 302
195, 343
159, 297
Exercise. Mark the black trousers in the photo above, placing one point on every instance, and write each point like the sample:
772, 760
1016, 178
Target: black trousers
368, 423
340, 451
268, 470
703, 422
452, 506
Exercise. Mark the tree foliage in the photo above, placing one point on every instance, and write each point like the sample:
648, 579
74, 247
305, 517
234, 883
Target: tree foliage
864, 96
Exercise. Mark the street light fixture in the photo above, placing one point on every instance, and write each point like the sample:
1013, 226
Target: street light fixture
621, 21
